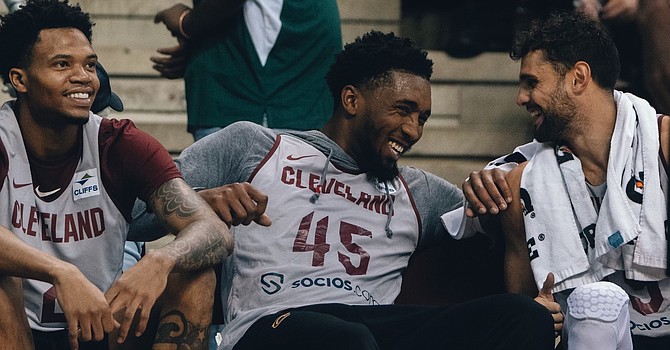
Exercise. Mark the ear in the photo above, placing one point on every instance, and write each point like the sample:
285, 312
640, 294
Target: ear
581, 76
351, 99
17, 77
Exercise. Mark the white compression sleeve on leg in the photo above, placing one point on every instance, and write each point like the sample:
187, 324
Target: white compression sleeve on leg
598, 318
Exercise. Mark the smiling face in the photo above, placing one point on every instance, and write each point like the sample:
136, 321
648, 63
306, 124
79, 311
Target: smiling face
542, 91
390, 120
60, 82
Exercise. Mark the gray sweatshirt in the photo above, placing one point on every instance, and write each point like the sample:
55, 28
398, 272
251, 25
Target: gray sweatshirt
233, 153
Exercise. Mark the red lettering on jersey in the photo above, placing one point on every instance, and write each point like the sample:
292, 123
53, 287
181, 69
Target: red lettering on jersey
320, 247
338, 189
385, 206
295, 177
32, 219
349, 196
376, 203
84, 224
286, 175
49, 313
97, 221
77, 226
363, 199
347, 230
298, 179
69, 230
17, 215
54, 227
44, 217
314, 182
329, 187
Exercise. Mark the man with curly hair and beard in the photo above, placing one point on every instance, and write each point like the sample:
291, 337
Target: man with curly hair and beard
587, 199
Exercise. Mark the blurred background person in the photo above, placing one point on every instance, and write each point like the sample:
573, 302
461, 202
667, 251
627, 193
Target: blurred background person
260, 61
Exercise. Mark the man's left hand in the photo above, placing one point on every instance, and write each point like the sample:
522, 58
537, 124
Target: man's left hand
546, 298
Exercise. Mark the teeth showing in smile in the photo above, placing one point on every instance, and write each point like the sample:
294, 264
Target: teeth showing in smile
535, 113
79, 95
396, 147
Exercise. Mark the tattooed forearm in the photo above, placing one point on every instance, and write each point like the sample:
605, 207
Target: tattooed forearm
171, 199
176, 329
203, 246
203, 240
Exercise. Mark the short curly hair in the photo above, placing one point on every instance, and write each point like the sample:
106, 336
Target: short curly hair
19, 30
370, 59
568, 37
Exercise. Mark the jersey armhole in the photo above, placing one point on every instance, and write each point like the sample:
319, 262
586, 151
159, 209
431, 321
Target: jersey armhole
4, 163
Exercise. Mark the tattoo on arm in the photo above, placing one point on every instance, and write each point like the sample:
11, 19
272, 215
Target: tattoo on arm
202, 240
175, 328
172, 201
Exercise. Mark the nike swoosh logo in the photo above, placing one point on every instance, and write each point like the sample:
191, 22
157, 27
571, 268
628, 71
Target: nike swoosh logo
45, 194
20, 185
291, 157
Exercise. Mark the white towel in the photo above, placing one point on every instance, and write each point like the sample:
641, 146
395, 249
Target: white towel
625, 235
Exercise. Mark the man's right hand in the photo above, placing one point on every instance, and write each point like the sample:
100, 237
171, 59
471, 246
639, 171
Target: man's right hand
238, 203
486, 191
86, 310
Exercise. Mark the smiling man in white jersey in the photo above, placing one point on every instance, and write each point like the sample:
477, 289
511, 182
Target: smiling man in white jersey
69, 180
345, 221
587, 199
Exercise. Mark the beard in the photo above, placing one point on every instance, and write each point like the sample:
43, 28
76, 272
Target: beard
384, 173
374, 163
375, 166
559, 118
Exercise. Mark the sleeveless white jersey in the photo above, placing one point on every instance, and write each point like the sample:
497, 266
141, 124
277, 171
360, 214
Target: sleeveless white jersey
649, 305
82, 226
332, 250
649, 301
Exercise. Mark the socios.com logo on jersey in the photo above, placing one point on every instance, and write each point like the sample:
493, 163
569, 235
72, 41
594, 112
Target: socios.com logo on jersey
272, 282
336, 282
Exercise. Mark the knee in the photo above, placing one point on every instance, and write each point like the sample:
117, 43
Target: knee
600, 301
598, 313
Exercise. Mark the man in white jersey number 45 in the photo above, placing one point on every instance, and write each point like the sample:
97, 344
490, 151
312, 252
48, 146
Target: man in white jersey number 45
345, 220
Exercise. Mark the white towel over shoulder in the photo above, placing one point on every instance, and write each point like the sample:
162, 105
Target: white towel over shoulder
565, 234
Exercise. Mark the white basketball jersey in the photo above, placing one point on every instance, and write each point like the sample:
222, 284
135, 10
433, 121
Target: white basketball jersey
649, 305
81, 226
330, 250
649, 301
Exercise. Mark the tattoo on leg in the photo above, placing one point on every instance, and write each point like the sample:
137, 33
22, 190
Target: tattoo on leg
175, 329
